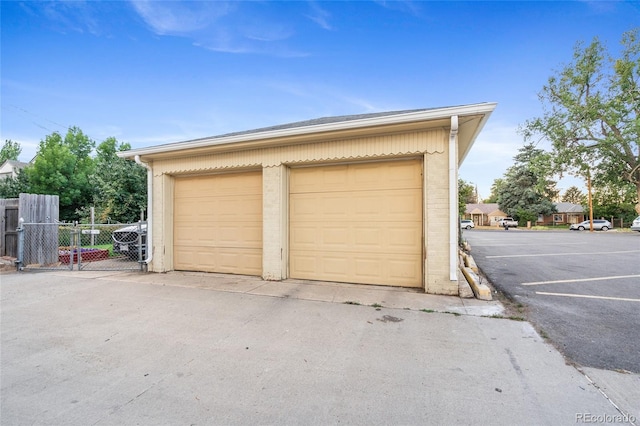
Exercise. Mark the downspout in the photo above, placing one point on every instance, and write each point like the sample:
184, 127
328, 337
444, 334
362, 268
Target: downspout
149, 209
454, 228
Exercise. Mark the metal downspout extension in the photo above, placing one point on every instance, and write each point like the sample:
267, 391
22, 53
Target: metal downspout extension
454, 228
149, 209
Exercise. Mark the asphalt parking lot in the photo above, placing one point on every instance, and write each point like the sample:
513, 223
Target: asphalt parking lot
582, 289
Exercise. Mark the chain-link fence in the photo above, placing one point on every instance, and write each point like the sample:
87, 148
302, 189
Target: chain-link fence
88, 247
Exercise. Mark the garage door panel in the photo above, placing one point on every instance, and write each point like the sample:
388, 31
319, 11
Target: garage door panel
218, 223
380, 238
380, 269
348, 223
400, 205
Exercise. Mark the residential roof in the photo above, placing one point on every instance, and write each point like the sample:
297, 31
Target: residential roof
10, 165
471, 120
483, 208
317, 121
14, 163
490, 208
569, 208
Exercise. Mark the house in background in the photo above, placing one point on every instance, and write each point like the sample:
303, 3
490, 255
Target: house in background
489, 214
366, 199
484, 214
567, 213
11, 168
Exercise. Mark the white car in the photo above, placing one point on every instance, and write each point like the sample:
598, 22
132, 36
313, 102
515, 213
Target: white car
467, 224
635, 226
598, 225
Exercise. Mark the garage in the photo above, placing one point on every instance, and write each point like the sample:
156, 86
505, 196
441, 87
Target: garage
357, 223
218, 223
366, 199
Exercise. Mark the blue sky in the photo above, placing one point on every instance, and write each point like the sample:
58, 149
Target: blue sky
152, 72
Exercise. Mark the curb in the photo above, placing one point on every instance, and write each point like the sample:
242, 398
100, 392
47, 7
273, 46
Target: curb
470, 271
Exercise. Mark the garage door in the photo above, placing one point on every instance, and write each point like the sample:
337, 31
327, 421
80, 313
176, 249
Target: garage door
218, 223
357, 223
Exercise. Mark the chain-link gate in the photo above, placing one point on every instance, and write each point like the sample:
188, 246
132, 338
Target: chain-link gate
96, 247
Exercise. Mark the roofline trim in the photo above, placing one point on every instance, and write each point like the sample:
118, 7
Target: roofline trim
431, 114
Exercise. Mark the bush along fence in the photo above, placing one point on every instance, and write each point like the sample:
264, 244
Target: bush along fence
84, 247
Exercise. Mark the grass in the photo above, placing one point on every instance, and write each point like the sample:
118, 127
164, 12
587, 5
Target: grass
101, 247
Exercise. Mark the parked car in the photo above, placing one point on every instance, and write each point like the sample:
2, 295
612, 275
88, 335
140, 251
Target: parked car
635, 226
125, 240
508, 222
598, 225
467, 224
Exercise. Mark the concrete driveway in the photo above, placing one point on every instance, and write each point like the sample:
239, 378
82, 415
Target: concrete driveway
83, 348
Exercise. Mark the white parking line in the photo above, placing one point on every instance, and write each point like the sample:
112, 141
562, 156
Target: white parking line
585, 296
561, 254
528, 244
578, 280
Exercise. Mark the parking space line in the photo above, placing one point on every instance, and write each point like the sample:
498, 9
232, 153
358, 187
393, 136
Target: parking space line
527, 244
561, 254
577, 280
586, 296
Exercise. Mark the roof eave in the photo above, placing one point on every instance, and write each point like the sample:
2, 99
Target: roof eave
254, 139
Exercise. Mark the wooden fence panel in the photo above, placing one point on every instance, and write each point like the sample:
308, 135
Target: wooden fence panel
8, 234
41, 242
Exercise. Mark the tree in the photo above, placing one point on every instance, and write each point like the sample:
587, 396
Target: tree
496, 188
526, 190
591, 113
574, 195
63, 167
613, 201
10, 151
12, 187
466, 195
120, 185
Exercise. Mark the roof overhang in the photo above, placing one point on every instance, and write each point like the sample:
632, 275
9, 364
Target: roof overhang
471, 118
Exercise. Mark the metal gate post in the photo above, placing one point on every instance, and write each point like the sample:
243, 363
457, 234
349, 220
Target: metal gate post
140, 258
78, 233
20, 231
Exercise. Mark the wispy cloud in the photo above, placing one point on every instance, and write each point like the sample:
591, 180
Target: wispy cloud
406, 6
67, 16
320, 16
229, 27
178, 18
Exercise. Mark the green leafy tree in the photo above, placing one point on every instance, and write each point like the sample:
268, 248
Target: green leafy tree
120, 185
63, 167
466, 195
496, 188
527, 190
591, 113
10, 151
574, 195
614, 201
12, 187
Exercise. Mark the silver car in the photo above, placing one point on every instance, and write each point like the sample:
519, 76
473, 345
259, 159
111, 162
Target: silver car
598, 225
635, 226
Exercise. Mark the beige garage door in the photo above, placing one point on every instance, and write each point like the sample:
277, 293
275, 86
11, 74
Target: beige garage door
357, 223
218, 223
